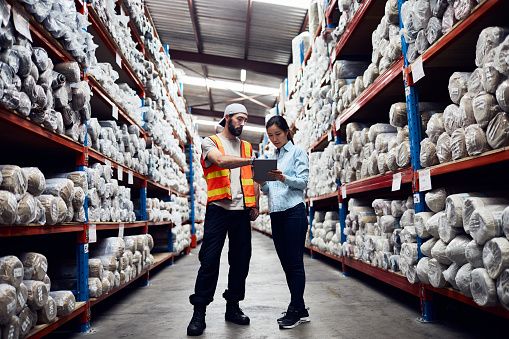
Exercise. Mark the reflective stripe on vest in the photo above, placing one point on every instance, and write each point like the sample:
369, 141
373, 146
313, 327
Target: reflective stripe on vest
218, 179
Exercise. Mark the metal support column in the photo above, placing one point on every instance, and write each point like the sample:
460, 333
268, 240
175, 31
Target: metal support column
192, 198
414, 127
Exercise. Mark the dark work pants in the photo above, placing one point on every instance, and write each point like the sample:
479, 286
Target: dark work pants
289, 234
218, 223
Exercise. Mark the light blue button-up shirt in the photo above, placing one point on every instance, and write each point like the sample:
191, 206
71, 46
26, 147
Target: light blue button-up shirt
294, 164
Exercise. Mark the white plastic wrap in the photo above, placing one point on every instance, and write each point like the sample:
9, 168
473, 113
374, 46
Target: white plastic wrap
453, 118
422, 270
484, 291
455, 250
37, 294
434, 30
471, 204
458, 85
36, 181
450, 274
490, 78
9, 208
489, 38
110, 246
446, 231
473, 253
35, 266
503, 288
7, 303
497, 133
463, 279
65, 302
403, 157
48, 313
454, 208
427, 246
13, 180
505, 222
22, 297
436, 276
495, 256
435, 199
433, 224
443, 149
475, 82
60, 187
95, 268
50, 204
409, 252
438, 252
428, 156
398, 114
435, 127
95, 287
11, 330
501, 56
475, 140
502, 95
486, 223
27, 210
458, 144
448, 19
11, 271
485, 108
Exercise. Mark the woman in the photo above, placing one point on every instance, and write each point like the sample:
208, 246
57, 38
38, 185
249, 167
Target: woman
288, 215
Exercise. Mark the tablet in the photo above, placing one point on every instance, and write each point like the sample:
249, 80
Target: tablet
262, 167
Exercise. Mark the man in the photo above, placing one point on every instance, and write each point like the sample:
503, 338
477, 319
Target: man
232, 204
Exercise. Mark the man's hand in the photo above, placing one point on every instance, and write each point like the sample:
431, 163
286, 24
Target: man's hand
278, 175
254, 213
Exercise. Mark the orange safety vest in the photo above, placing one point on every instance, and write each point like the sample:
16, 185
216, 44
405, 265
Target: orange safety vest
218, 179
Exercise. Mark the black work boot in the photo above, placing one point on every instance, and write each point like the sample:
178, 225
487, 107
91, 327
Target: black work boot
197, 324
235, 315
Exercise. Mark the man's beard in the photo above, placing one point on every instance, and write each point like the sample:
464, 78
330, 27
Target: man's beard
234, 131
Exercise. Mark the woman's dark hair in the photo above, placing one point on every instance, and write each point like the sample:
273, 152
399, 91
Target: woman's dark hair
280, 122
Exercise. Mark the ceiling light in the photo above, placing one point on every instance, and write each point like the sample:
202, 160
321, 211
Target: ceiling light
229, 85
216, 123
243, 75
287, 3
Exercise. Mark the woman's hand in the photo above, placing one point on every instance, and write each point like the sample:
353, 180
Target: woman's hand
278, 175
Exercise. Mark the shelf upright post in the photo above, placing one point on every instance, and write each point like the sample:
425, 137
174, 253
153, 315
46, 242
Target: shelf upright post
191, 197
343, 207
414, 126
311, 217
143, 201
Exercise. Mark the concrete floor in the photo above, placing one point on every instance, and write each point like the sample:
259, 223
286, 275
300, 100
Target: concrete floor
340, 307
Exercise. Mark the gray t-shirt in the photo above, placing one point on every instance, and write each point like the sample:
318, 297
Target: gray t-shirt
231, 147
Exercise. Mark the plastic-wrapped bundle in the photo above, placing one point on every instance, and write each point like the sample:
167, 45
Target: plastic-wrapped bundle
427, 246
26, 320
27, 210
473, 253
423, 270
50, 204
48, 313
407, 219
110, 246
37, 294
505, 222
450, 274
467, 109
370, 75
11, 271
503, 288
458, 144
448, 19
475, 82
35, 266
421, 41
95, 287
383, 141
446, 231
428, 156
488, 40
11, 330
95, 268
377, 129
453, 118
462, 8
409, 252
458, 86
486, 223
455, 250
501, 56
36, 181
496, 256
9, 208
483, 288
403, 158
433, 223
21, 297
13, 180
62, 210
471, 204
443, 148
78, 178
435, 199
433, 30
463, 279
485, 108
7, 303
47, 282
475, 140
78, 198
502, 95
70, 70
420, 220
436, 276
65, 302
454, 208
60, 187
397, 208
490, 78
438, 252
398, 115
394, 263
497, 133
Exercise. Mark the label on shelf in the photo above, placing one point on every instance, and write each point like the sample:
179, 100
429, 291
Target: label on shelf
21, 24
417, 70
120, 173
118, 60
121, 230
92, 233
417, 198
114, 112
424, 180
396, 181
130, 179
343, 192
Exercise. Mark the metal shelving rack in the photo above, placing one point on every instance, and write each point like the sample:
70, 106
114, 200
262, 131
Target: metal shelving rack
447, 53
27, 134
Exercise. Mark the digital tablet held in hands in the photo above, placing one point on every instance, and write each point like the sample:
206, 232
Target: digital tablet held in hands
262, 167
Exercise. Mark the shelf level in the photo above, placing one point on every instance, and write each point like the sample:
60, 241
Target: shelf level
323, 197
378, 182
43, 330
160, 223
21, 231
314, 249
102, 226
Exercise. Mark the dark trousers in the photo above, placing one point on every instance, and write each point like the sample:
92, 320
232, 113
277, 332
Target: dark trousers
218, 223
289, 234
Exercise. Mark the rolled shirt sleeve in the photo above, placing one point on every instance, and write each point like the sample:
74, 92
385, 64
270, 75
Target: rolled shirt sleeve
300, 180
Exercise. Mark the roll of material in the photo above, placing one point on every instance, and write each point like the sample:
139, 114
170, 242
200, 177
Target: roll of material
502, 95
471, 204
485, 108
26, 320
65, 302
11, 271
13, 180
503, 288
433, 225
489, 38
458, 85
50, 204
458, 144
409, 252
8, 212
22, 297
35, 180
422, 270
37, 294
497, 133
429, 153
445, 230
427, 246
403, 155
48, 313
420, 221
454, 208
7, 303
60, 187
411, 274
484, 291
473, 253
407, 219
433, 30
95, 268
455, 250
95, 289
11, 330
474, 83
435, 199
495, 256
443, 148
450, 275
500, 57
505, 222
439, 252
106, 285
35, 266
436, 276
435, 127
27, 210
463, 279
486, 223
490, 79
475, 140
398, 115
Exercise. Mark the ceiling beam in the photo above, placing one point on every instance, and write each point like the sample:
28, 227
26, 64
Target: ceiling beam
236, 63
196, 27
248, 28
209, 90
253, 119
229, 101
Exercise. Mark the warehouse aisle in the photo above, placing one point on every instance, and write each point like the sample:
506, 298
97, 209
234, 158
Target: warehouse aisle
340, 307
